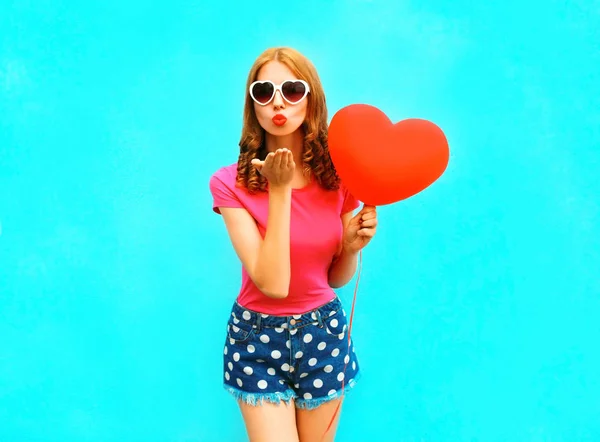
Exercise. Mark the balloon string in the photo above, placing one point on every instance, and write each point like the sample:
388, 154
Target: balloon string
337, 409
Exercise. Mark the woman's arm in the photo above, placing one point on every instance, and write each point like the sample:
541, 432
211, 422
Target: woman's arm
358, 232
266, 261
343, 267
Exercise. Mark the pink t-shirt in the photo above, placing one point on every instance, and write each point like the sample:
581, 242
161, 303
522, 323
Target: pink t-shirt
315, 237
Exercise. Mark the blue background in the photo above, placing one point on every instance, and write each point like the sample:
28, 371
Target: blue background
116, 278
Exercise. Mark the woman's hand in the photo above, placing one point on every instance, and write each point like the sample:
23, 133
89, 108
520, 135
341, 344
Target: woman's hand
278, 167
360, 230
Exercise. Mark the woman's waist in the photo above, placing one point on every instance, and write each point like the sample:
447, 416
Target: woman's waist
298, 301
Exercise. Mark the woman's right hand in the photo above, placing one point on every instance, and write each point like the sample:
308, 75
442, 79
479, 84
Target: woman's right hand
278, 167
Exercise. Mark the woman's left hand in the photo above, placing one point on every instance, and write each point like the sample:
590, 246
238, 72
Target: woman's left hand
360, 229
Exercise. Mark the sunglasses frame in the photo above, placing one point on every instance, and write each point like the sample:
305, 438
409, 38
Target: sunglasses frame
279, 88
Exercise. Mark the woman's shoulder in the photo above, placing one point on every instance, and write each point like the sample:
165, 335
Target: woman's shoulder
225, 176
226, 173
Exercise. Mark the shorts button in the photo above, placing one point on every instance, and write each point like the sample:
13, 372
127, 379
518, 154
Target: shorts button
293, 322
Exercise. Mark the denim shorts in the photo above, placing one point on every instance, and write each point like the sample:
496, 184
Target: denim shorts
307, 358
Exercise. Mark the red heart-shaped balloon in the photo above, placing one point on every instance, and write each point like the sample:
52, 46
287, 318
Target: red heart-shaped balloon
381, 162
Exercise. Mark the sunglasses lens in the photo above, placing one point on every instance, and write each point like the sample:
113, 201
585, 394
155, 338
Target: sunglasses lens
293, 91
262, 92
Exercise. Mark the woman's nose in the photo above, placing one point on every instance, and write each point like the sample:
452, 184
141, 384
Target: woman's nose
278, 100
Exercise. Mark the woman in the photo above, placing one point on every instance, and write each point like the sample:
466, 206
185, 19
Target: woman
287, 356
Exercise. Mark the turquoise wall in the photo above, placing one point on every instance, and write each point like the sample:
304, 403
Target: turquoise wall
116, 278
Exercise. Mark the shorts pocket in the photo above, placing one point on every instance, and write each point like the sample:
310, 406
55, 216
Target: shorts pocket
240, 332
336, 324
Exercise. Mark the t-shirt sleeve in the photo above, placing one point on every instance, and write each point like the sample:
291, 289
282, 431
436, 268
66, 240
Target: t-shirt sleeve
350, 201
222, 194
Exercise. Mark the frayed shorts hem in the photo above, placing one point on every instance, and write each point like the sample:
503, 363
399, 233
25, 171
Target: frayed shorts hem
259, 398
310, 403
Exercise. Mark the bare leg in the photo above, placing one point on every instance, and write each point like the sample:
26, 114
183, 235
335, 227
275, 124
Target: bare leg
270, 422
313, 423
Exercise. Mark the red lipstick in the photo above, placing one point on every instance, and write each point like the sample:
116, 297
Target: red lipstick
279, 120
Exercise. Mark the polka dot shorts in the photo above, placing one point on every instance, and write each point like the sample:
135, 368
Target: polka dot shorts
306, 358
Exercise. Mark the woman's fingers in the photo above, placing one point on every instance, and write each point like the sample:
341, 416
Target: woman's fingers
268, 163
278, 166
368, 233
284, 159
277, 160
369, 223
258, 164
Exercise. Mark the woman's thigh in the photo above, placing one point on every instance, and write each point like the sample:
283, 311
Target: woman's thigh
313, 424
270, 422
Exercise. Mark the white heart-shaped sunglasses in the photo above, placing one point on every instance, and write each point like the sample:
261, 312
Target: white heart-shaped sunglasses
292, 91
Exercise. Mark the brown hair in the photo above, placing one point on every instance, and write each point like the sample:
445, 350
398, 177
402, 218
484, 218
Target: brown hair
315, 156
